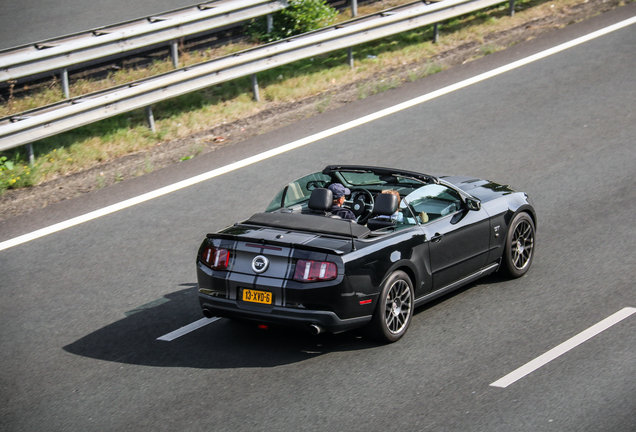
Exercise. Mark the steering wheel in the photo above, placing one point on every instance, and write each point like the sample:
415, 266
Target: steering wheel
361, 204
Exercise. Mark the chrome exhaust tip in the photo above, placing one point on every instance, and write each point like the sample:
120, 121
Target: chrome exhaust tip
315, 329
207, 313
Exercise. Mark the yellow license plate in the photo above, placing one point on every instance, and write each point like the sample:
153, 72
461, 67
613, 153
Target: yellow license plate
254, 296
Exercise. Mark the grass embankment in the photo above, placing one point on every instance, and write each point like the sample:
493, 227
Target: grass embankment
90, 145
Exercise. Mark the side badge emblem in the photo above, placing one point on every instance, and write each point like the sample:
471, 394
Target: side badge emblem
260, 264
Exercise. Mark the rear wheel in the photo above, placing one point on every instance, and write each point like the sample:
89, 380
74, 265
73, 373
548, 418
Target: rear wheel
394, 311
519, 246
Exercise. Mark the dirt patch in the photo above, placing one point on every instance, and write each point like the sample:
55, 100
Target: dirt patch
17, 202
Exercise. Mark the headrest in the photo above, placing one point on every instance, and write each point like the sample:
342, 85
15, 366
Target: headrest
385, 204
320, 199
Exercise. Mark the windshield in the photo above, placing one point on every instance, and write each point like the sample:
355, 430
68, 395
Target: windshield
359, 179
368, 178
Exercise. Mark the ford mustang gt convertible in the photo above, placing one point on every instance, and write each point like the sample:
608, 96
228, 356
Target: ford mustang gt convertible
416, 238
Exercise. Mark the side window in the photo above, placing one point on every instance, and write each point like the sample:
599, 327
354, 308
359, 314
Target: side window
431, 202
406, 218
298, 191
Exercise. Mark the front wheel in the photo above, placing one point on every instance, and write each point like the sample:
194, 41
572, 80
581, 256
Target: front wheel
394, 311
519, 246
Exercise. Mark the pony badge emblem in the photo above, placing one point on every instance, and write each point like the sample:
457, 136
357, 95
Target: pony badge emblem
260, 264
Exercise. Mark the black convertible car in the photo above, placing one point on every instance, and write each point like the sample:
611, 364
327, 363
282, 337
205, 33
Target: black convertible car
417, 237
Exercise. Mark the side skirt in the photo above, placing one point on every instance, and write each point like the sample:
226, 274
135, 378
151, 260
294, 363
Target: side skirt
468, 279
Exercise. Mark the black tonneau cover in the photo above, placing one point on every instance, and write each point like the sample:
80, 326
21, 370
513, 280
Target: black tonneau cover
309, 223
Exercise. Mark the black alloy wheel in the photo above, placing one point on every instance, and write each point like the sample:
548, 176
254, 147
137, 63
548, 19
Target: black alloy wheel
519, 245
394, 311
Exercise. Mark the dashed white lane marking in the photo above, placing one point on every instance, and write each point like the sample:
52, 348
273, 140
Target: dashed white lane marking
563, 348
187, 329
310, 139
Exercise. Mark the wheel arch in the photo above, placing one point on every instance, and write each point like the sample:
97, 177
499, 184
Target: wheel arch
530, 211
407, 267
410, 273
513, 211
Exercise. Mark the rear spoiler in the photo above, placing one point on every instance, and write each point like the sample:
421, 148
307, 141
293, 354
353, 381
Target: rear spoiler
275, 243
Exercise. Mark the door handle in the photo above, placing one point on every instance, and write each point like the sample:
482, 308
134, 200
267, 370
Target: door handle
437, 237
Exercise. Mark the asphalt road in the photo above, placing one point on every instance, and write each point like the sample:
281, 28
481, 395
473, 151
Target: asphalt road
81, 309
26, 21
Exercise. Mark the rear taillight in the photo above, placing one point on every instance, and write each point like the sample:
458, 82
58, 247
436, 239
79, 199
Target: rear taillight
215, 258
314, 271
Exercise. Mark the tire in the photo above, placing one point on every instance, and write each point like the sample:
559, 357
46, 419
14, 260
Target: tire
394, 311
519, 250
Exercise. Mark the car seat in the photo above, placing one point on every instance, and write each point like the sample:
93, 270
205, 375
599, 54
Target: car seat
384, 207
320, 202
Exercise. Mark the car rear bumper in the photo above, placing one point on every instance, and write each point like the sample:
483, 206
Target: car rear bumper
299, 318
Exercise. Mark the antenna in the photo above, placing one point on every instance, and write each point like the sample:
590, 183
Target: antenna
353, 244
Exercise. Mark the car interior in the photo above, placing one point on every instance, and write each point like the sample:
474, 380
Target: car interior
418, 203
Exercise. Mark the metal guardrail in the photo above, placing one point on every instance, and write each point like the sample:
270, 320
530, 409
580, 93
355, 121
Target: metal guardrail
62, 52
50, 120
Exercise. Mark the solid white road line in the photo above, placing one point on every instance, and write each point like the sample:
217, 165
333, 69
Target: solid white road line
187, 329
310, 139
563, 348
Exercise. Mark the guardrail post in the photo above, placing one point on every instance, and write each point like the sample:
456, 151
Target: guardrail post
350, 56
354, 8
512, 8
435, 33
29, 148
270, 23
174, 53
257, 95
65, 86
151, 118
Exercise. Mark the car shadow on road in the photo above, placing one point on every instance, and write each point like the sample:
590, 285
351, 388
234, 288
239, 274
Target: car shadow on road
221, 344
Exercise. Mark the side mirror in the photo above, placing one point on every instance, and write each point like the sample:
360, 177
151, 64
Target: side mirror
473, 204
